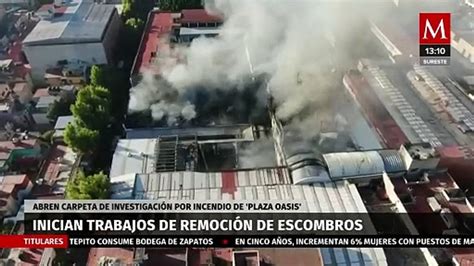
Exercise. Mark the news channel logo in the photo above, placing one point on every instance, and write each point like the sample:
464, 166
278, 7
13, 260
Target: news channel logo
435, 38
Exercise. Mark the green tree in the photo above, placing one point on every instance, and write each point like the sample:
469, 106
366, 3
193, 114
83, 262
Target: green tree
95, 186
178, 5
92, 107
59, 108
97, 76
81, 139
127, 8
135, 24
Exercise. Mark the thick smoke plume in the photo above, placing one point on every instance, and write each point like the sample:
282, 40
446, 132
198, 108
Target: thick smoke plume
297, 46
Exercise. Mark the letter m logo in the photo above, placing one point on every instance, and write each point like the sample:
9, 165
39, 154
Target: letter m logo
435, 28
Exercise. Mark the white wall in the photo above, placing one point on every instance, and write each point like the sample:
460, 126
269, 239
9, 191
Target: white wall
42, 57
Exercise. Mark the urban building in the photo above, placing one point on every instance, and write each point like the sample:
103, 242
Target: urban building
387, 131
68, 73
71, 32
211, 256
20, 155
57, 168
428, 194
11, 72
462, 33
196, 23
13, 190
164, 30
256, 184
43, 99
60, 126
182, 149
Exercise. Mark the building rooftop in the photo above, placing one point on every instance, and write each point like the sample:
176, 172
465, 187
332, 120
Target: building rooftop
133, 156
7, 146
347, 164
225, 130
456, 109
57, 168
46, 101
262, 184
435, 193
198, 16
407, 115
110, 256
198, 31
43, 92
158, 26
397, 41
373, 109
8, 184
63, 121
78, 21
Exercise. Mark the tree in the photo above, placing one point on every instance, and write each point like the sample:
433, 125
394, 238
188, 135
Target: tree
178, 5
58, 108
135, 24
136, 8
92, 107
97, 76
95, 186
81, 139
127, 8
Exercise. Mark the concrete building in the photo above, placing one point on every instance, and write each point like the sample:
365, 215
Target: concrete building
20, 155
43, 99
13, 189
60, 126
72, 32
56, 170
429, 195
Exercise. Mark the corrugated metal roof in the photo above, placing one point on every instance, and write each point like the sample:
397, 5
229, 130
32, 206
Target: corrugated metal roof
167, 185
264, 184
392, 161
121, 187
350, 164
82, 21
329, 197
385, 89
133, 156
194, 131
309, 174
456, 109
261, 184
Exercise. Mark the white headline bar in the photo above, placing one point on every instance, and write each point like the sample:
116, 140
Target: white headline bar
163, 206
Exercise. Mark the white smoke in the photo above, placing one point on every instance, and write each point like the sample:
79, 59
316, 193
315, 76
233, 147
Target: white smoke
284, 40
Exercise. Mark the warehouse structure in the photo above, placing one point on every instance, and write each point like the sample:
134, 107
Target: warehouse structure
75, 32
262, 184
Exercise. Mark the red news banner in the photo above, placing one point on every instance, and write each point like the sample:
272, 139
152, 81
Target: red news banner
34, 241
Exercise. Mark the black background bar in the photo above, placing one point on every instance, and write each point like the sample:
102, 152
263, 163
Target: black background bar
435, 50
